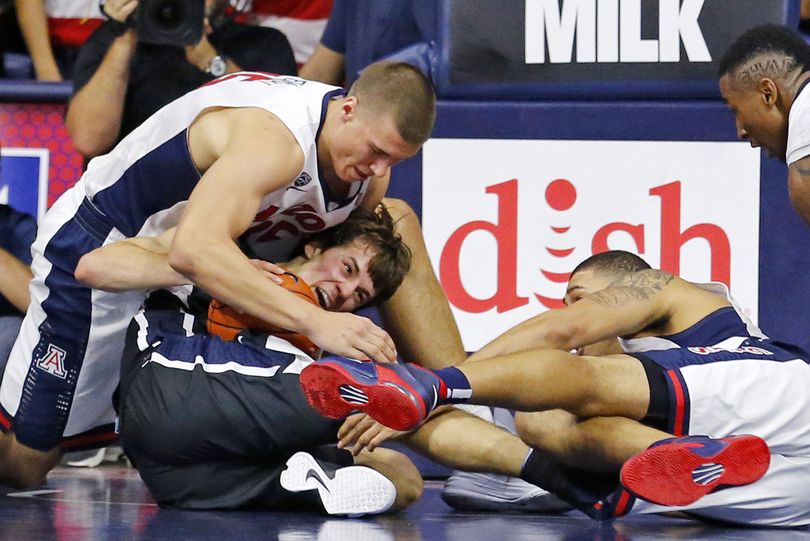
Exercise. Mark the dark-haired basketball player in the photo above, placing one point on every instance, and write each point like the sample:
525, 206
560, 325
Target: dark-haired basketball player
763, 79
702, 413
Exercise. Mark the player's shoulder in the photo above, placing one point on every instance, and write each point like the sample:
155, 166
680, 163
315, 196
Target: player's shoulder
259, 125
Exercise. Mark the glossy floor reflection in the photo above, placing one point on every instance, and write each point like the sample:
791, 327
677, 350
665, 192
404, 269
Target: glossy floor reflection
112, 503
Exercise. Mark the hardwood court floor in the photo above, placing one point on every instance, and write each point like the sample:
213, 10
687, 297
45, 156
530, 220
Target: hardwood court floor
111, 503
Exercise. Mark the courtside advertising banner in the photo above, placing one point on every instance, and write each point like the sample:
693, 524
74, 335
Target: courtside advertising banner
505, 221
595, 47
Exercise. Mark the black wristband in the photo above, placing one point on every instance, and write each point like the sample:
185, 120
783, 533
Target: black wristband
117, 28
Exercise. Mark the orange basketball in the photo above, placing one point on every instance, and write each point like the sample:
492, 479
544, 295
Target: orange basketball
226, 322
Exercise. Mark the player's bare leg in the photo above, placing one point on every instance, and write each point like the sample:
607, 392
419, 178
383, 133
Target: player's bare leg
603, 443
462, 441
23, 467
432, 341
549, 379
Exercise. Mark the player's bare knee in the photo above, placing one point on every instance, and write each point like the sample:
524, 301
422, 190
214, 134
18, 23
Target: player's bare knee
406, 478
594, 395
26, 478
528, 428
541, 429
409, 490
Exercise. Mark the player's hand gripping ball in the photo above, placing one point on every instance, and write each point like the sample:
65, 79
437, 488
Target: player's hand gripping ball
226, 322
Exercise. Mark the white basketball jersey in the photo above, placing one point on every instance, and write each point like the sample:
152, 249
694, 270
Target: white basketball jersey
798, 140
144, 183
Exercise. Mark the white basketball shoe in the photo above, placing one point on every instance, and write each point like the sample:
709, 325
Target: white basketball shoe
352, 490
467, 491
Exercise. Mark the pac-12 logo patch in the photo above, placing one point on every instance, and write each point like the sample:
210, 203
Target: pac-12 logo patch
303, 179
53, 361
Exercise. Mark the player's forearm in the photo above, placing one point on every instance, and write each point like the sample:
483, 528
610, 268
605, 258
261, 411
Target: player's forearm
33, 21
14, 279
537, 332
325, 65
102, 100
222, 270
140, 263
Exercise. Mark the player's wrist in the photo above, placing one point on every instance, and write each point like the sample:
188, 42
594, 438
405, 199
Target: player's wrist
309, 319
216, 66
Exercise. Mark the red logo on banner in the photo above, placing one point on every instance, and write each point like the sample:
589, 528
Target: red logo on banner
561, 194
505, 234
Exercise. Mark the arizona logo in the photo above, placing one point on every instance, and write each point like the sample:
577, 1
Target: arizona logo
53, 361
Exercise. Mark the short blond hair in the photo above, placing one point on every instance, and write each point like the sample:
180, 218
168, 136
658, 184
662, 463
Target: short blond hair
402, 91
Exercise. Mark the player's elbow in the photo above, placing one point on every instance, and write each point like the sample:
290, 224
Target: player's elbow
183, 258
87, 143
191, 254
90, 270
90, 147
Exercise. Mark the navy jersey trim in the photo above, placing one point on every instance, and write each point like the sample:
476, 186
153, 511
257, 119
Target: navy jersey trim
157, 181
720, 325
330, 203
57, 358
751, 349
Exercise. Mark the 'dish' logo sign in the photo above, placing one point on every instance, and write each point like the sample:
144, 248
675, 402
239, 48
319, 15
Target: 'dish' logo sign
525, 213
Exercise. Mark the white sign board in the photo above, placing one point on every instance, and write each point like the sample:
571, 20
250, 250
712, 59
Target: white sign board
505, 221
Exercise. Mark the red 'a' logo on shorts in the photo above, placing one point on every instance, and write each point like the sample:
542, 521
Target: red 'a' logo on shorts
53, 361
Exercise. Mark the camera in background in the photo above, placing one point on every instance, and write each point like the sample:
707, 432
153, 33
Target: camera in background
170, 22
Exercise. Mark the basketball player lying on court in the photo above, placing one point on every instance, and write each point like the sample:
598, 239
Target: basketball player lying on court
210, 423
700, 401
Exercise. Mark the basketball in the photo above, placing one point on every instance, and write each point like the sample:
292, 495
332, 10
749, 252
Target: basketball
227, 323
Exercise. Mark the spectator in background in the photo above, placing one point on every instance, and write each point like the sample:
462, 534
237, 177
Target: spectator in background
54, 30
360, 32
17, 233
302, 21
120, 82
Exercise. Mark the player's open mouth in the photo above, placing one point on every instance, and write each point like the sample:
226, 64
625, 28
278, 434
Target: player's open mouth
323, 298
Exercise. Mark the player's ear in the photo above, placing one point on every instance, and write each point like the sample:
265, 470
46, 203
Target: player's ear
311, 249
769, 91
349, 107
